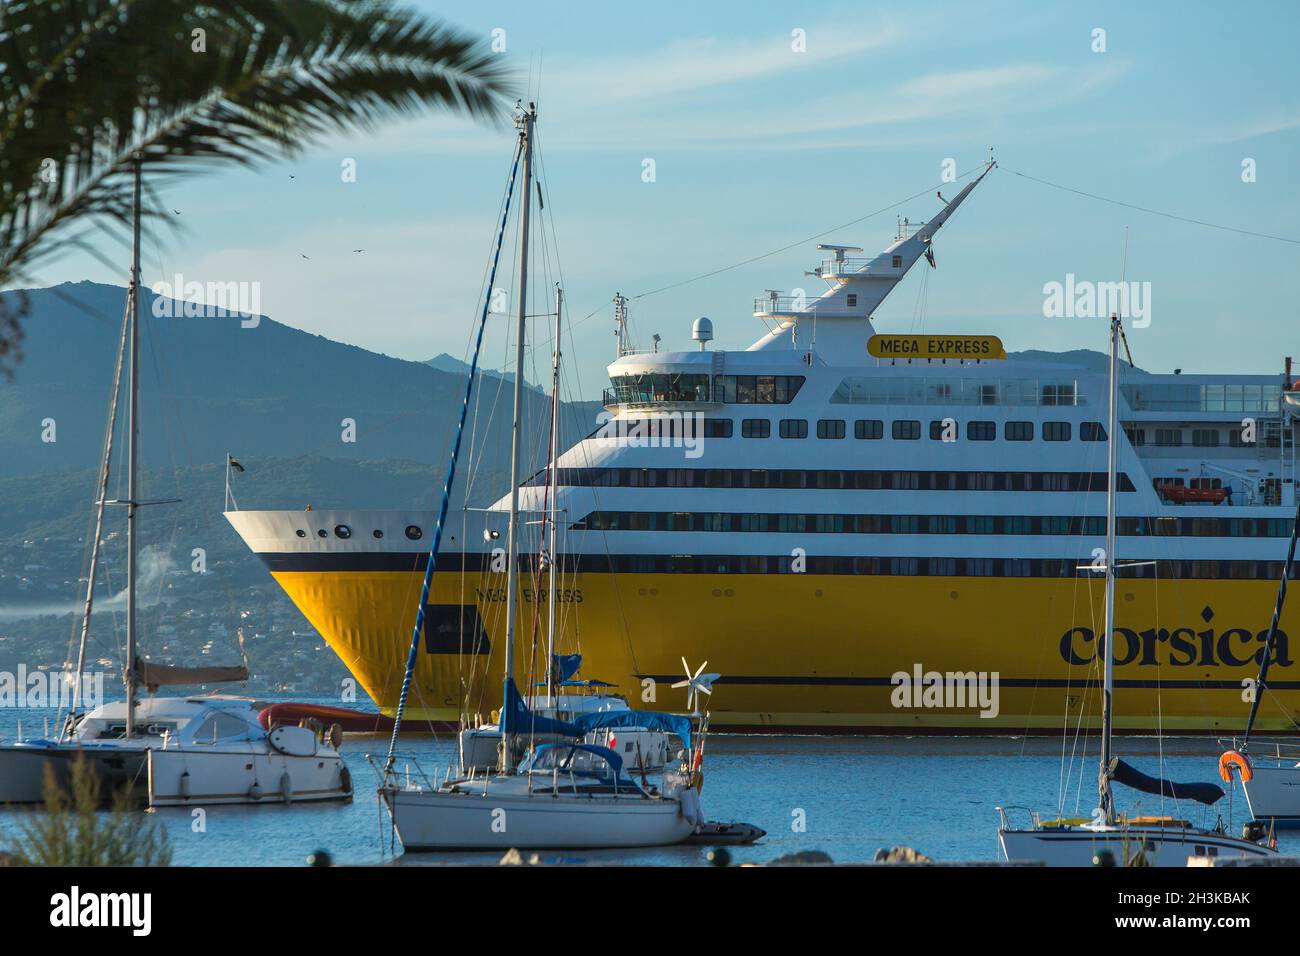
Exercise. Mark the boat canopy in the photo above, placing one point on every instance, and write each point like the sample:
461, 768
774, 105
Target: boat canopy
647, 719
1206, 793
516, 718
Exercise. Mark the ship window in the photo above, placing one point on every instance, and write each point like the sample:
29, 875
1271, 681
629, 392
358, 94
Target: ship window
1092, 431
717, 427
342, 531
1205, 437
300, 533
1237, 438
981, 431
830, 428
1056, 431
1169, 438
413, 532
794, 428
1019, 431
1136, 436
853, 300
907, 429
756, 428
897, 262
377, 533
869, 428
938, 430
322, 533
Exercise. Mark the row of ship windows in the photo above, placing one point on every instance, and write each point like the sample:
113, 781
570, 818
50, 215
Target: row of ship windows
832, 478
413, 532
931, 524
873, 429
1203, 437
906, 566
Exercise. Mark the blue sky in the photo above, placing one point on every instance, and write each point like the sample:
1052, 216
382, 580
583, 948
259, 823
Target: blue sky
756, 146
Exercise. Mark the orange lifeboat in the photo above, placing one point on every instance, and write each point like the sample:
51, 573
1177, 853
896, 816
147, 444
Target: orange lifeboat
1181, 494
1235, 758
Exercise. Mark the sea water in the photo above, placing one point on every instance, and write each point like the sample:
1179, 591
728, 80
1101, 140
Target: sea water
844, 796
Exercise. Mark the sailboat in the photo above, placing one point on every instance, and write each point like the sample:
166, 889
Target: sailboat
565, 793
563, 695
198, 750
1271, 781
1108, 837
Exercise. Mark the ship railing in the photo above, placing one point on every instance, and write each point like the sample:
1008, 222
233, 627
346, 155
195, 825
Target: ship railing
784, 305
844, 267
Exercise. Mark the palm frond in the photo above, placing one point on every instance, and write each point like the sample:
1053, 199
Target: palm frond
88, 85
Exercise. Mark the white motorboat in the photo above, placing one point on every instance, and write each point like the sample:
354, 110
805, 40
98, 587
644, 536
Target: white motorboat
1107, 838
184, 751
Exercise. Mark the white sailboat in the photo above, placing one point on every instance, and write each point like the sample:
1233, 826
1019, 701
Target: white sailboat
562, 794
198, 750
1107, 837
1271, 781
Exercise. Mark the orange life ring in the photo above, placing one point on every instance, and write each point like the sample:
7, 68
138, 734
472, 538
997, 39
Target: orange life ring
1234, 758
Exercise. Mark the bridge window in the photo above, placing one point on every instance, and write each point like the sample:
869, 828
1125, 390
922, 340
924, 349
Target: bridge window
1092, 431
981, 431
756, 428
1019, 431
717, 427
1056, 431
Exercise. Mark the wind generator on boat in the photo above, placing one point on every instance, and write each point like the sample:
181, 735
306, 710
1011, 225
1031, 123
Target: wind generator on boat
1148, 840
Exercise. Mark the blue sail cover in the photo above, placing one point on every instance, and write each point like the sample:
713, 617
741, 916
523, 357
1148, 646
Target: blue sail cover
1206, 793
516, 718
672, 723
564, 666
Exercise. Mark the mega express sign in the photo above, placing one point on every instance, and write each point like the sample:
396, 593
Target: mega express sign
936, 347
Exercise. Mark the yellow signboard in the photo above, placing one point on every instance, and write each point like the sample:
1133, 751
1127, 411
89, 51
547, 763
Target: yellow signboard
936, 347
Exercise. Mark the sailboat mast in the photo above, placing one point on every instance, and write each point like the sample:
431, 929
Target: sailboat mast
526, 121
1108, 683
133, 453
554, 486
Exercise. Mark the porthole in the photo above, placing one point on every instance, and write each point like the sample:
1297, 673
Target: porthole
322, 533
301, 533
413, 532
377, 533
342, 531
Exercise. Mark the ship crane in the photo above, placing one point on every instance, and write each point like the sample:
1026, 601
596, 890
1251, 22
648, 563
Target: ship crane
1251, 482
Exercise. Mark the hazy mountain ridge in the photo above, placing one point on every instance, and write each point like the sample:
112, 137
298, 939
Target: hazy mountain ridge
211, 386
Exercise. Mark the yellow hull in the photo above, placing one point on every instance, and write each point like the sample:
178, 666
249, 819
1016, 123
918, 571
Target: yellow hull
818, 653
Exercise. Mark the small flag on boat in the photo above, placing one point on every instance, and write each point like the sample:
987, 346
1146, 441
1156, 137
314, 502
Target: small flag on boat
929, 256
231, 462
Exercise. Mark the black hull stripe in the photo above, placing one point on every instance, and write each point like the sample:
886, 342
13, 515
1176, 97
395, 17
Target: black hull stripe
1020, 682
712, 564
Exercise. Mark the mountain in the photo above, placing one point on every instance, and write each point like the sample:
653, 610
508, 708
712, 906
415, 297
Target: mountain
210, 386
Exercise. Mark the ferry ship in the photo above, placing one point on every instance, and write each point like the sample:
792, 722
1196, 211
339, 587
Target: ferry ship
833, 509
